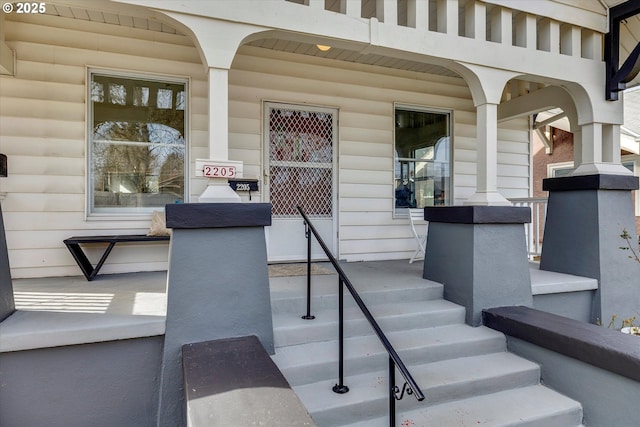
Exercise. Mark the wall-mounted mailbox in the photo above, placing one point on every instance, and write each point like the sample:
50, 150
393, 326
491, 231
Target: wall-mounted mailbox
243, 184
3, 165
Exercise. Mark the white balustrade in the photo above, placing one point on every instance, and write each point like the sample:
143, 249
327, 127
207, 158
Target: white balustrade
534, 231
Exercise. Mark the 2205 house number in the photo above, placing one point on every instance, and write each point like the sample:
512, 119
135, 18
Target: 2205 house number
219, 171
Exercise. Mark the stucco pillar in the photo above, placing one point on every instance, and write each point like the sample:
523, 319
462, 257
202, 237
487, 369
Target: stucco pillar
7, 302
479, 254
217, 286
487, 158
586, 216
218, 163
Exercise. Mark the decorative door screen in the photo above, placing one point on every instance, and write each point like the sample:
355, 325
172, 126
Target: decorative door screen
300, 162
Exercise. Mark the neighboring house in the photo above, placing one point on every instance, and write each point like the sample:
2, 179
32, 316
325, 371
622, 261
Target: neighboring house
553, 148
353, 109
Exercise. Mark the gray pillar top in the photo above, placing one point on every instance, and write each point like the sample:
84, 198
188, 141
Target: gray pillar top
218, 215
478, 214
591, 182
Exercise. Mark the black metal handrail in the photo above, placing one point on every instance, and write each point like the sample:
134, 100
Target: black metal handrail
395, 393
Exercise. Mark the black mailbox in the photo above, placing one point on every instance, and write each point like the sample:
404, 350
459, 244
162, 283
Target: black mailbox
243, 184
240, 184
3, 165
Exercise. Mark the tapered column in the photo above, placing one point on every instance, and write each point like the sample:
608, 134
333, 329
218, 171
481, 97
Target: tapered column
479, 254
217, 286
7, 303
587, 216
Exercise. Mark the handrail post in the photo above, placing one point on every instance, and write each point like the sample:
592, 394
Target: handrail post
307, 234
392, 393
340, 388
410, 386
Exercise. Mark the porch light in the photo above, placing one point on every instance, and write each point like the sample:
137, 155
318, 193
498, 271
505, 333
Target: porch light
323, 47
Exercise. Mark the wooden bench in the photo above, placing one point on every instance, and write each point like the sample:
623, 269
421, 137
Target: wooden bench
89, 271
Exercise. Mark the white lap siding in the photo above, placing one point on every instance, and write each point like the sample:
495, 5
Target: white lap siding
43, 131
365, 97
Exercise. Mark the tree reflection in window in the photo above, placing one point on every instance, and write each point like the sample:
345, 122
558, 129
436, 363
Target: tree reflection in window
137, 143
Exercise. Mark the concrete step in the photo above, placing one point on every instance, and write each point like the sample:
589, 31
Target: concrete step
289, 296
466, 373
531, 406
291, 329
442, 381
316, 361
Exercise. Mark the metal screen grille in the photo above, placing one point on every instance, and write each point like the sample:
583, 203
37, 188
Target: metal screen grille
300, 162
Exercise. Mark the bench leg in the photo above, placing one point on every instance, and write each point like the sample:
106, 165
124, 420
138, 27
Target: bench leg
89, 271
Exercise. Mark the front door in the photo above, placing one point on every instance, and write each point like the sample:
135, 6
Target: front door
300, 151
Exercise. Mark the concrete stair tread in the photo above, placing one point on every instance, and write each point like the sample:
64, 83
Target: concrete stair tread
314, 361
531, 406
440, 381
330, 316
327, 298
290, 329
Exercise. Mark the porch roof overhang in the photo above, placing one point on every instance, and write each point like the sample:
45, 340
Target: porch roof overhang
136, 13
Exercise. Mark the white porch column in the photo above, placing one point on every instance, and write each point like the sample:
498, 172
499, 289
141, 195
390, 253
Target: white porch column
611, 144
599, 150
486, 85
218, 189
487, 160
577, 148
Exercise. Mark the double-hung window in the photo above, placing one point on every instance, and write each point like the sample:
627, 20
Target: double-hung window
422, 158
137, 142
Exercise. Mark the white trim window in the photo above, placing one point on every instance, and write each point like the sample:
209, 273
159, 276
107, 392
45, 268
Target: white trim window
423, 166
137, 143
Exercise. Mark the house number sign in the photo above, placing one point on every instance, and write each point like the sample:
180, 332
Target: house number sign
216, 171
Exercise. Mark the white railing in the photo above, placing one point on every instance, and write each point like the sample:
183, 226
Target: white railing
534, 231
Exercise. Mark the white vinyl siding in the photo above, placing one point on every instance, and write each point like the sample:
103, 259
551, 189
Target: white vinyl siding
365, 97
43, 131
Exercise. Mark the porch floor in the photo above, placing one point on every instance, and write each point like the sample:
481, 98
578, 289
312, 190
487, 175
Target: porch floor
144, 293
57, 311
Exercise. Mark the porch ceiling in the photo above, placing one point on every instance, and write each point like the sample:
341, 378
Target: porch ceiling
351, 56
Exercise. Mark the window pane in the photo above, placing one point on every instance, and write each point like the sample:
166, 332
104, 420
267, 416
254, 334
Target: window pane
422, 167
137, 145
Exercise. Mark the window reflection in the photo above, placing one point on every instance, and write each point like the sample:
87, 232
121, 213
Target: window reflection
422, 165
137, 144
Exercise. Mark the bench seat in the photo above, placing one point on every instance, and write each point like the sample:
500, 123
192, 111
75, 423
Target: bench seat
89, 271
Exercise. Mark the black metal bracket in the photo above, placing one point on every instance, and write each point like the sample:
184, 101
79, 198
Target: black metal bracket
618, 77
399, 394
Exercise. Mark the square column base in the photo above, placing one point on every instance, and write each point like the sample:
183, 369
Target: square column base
217, 286
479, 254
586, 217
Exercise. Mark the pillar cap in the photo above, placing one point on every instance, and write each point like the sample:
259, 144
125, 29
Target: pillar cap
218, 215
591, 182
478, 214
